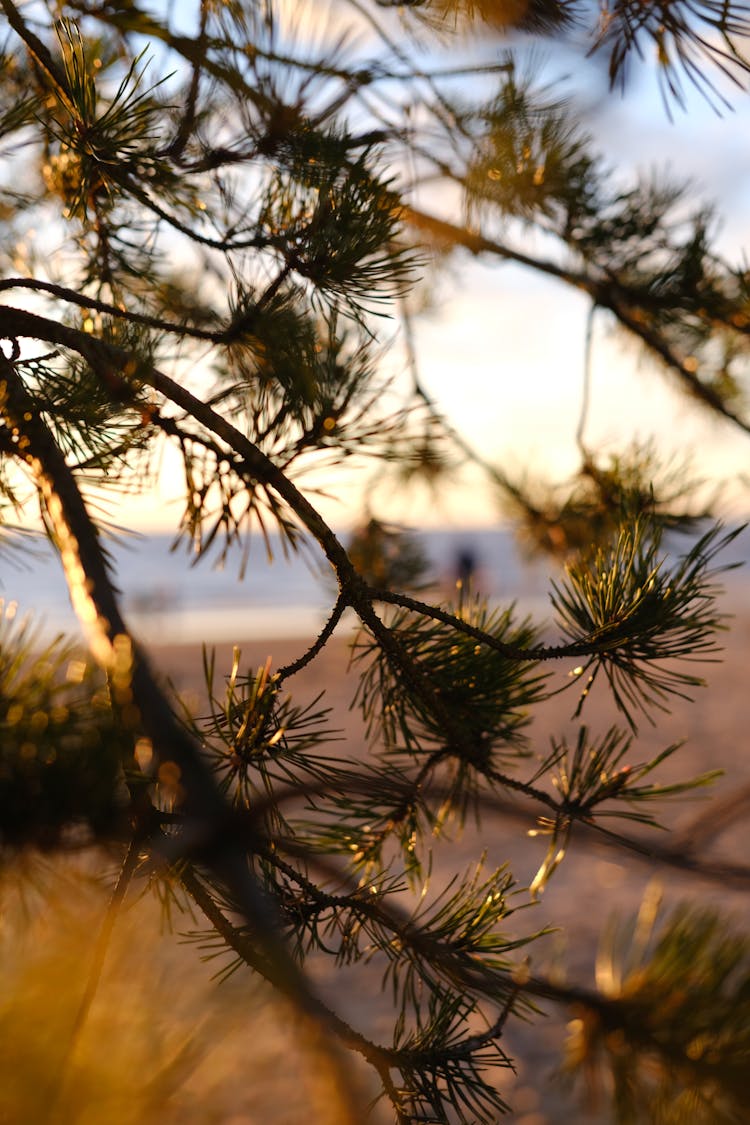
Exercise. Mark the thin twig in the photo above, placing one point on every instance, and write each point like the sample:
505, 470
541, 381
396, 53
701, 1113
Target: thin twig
325, 634
106, 307
586, 387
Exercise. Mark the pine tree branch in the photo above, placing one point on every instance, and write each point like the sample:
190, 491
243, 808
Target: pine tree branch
606, 293
513, 652
40, 54
405, 933
195, 781
679, 853
288, 670
109, 361
116, 311
209, 829
353, 590
615, 1013
473, 976
450, 234
119, 167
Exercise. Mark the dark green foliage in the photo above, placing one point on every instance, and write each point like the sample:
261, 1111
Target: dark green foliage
630, 591
306, 381
673, 1032
99, 147
590, 775
456, 1073
579, 516
90, 424
340, 226
533, 161
642, 251
486, 695
257, 738
594, 784
61, 746
387, 557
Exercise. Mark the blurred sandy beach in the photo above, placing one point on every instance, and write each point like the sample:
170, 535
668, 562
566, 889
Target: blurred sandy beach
595, 880
229, 1052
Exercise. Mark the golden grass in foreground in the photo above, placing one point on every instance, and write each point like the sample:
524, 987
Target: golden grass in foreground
162, 1042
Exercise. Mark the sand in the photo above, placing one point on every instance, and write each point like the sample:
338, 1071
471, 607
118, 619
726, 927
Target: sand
594, 880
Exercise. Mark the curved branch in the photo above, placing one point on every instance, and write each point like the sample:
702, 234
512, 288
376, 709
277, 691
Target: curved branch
513, 652
402, 926
325, 635
83, 302
209, 827
39, 52
606, 293
109, 362
470, 973
679, 854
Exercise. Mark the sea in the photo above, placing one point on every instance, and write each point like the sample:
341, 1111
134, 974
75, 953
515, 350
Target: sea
170, 596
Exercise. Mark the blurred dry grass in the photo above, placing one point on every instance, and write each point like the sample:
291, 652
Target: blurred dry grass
163, 1042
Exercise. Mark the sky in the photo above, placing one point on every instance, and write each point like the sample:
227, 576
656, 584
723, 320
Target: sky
502, 351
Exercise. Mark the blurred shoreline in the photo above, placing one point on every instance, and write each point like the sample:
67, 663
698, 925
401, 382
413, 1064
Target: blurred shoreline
182, 658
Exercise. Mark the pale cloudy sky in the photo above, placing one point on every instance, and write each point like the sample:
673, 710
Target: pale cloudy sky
502, 351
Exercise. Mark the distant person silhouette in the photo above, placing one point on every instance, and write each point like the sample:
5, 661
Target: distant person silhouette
466, 567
